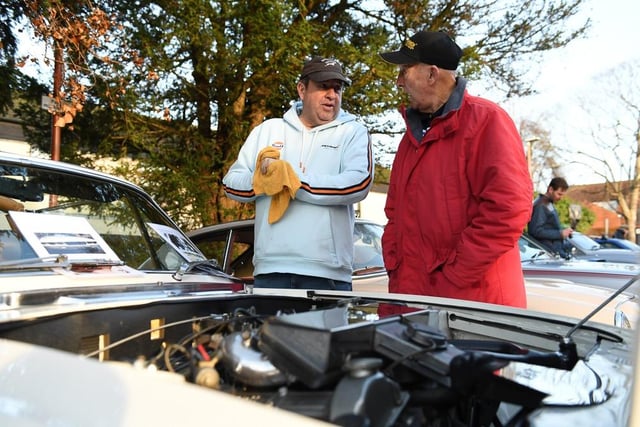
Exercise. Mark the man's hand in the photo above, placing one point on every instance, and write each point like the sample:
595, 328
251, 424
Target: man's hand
566, 233
265, 165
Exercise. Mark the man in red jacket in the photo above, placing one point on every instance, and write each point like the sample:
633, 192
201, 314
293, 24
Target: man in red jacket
460, 192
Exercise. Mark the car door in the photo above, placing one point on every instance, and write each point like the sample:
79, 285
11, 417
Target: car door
232, 247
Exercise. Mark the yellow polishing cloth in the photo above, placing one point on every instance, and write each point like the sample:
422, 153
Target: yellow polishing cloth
280, 182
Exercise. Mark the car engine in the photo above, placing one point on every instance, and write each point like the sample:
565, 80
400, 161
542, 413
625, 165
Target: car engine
398, 371
336, 360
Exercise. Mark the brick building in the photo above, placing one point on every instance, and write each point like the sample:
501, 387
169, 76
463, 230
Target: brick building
598, 199
593, 196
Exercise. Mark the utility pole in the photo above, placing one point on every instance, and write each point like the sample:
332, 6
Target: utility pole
58, 72
56, 131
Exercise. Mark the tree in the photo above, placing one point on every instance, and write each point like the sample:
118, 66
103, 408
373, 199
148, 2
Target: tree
587, 217
210, 71
542, 155
10, 13
75, 33
614, 126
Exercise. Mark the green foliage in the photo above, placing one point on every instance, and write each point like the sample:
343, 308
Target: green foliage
92, 131
382, 174
562, 207
586, 221
210, 71
10, 12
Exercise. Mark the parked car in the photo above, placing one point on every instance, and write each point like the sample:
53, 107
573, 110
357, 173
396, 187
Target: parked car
538, 262
615, 243
623, 231
142, 329
231, 243
584, 247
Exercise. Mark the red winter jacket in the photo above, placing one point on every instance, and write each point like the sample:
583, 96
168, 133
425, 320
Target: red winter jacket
458, 201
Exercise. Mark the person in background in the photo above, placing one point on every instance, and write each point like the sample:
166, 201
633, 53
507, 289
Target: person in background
460, 191
544, 225
621, 232
305, 171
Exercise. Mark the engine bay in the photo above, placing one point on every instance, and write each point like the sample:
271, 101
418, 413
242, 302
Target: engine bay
336, 360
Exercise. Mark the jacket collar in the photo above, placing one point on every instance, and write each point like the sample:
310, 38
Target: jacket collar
414, 118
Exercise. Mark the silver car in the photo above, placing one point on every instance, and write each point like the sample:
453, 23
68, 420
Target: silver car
584, 247
613, 243
537, 262
231, 243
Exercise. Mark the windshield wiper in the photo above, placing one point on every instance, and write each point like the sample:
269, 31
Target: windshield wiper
94, 264
59, 261
538, 254
209, 266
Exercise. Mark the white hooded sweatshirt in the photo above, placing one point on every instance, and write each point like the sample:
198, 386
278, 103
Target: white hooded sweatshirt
334, 162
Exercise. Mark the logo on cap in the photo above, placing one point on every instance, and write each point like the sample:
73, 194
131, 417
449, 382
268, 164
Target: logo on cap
322, 69
330, 63
410, 44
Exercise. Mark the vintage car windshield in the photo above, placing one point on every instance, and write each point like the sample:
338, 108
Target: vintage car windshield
530, 251
44, 212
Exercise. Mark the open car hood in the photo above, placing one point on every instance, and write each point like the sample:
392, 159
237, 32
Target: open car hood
328, 356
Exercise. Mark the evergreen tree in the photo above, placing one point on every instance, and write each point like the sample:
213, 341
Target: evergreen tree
209, 71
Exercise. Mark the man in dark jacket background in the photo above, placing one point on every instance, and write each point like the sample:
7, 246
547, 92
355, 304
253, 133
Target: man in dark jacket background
544, 225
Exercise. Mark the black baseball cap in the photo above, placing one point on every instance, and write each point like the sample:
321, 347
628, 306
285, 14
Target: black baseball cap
321, 69
429, 47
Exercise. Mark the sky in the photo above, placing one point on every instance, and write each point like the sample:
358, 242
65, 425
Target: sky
565, 76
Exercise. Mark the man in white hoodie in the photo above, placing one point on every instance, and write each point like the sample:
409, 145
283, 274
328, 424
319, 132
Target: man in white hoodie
310, 246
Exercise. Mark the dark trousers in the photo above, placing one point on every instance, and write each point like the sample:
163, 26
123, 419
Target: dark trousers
297, 281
